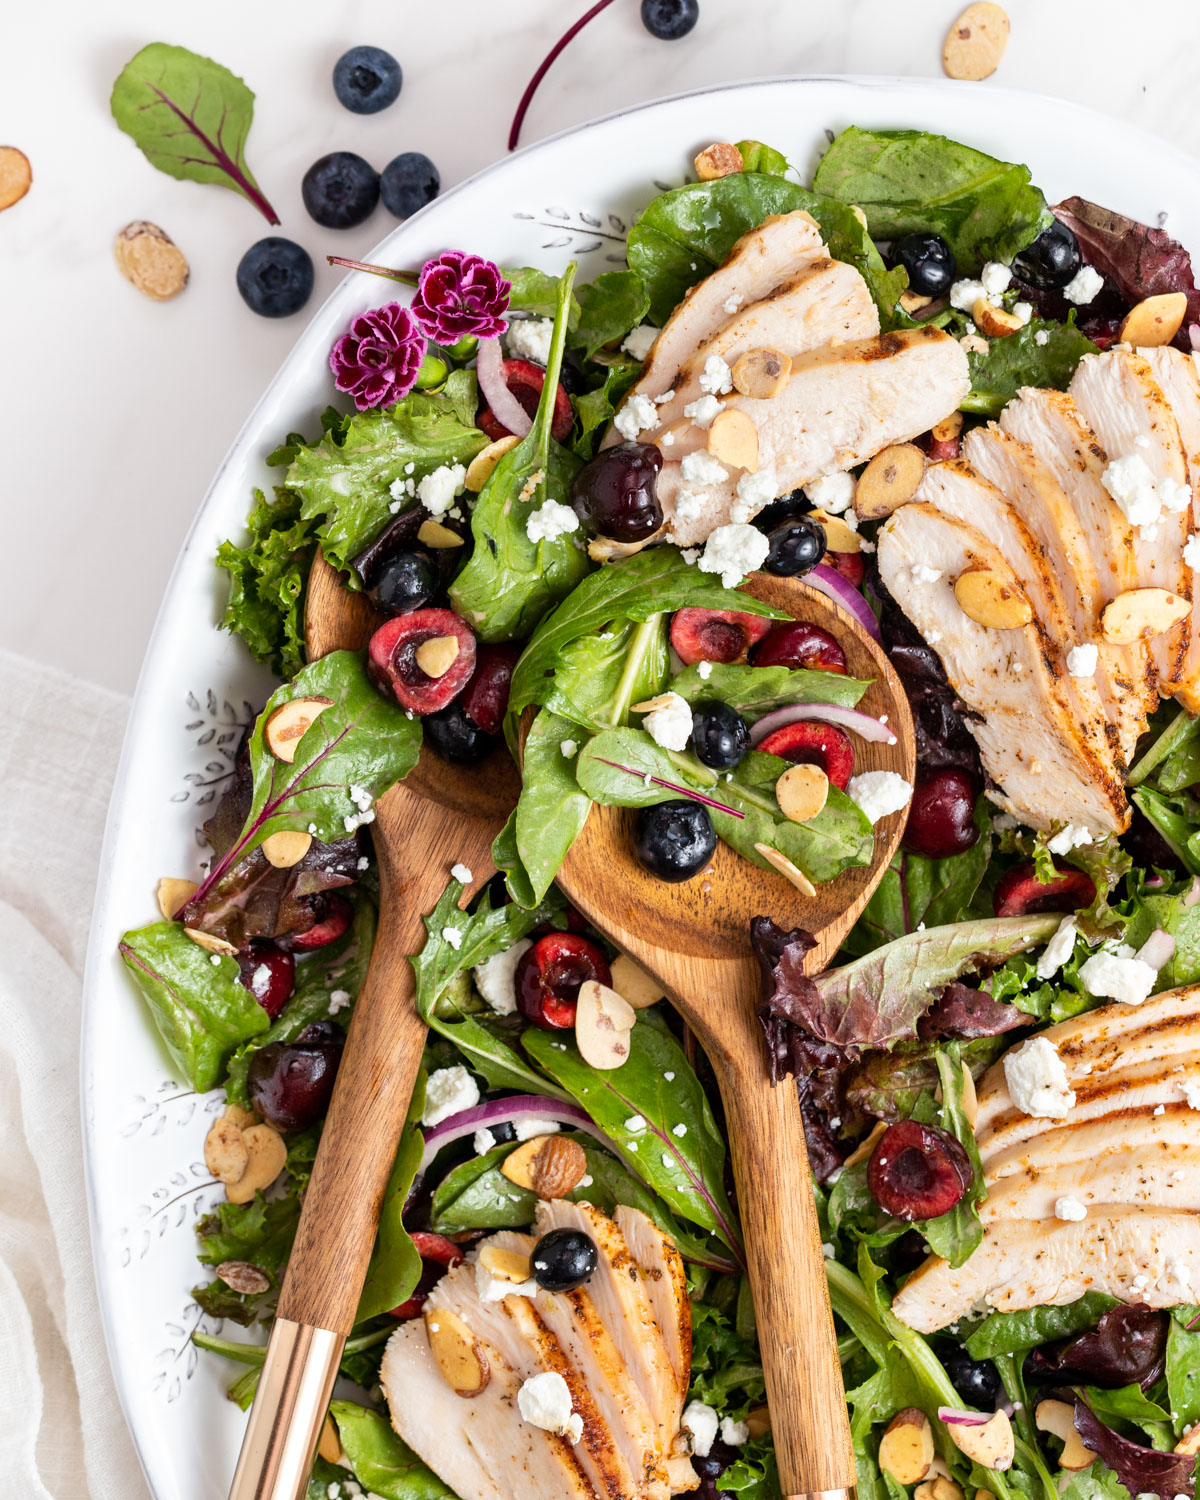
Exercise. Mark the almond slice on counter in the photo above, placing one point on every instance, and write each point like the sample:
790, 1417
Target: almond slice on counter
267, 1158
889, 481
802, 791
761, 373
733, 438
992, 601
1154, 321
479, 470
289, 723
437, 655
173, 894
603, 1021
976, 42
150, 260
721, 159
906, 1448
633, 984
995, 321
16, 176
1139, 614
549, 1165
286, 848
458, 1354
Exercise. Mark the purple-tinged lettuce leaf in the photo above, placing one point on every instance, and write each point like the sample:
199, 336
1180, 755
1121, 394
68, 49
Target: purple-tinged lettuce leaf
1128, 1346
1141, 1470
965, 1012
1139, 261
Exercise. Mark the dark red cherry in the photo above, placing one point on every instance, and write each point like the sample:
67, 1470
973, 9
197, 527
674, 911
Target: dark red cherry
393, 666
290, 1083
918, 1171
550, 974
941, 819
1020, 893
812, 743
799, 644
438, 1255
723, 635
525, 381
616, 494
334, 915
485, 698
849, 565
269, 973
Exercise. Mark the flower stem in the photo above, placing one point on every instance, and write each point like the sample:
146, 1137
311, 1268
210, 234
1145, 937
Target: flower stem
409, 278
547, 63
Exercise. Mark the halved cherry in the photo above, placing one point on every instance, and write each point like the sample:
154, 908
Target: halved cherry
485, 699
525, 381
813, 743
333, 917
849, 565
918, 1171
550, 974
269, 973
438, 1255
1020, 893
393, 666
799, 644
723, 635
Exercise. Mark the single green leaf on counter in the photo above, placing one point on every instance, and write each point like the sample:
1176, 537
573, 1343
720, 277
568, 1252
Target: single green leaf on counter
267, 580
199, 1004
1183, 1368
595, 409
759, 158
189, 117
656, 1114
395, 1266
1042, 353
956, 1235
755, 691
609, 308
551, 810
599, 676
381, 1461
912, 181
345, 479
1013, 1333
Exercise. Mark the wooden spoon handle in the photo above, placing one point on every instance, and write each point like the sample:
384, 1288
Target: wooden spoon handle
787, 1277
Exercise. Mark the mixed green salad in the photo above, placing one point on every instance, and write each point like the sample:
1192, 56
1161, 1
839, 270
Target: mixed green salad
252, 974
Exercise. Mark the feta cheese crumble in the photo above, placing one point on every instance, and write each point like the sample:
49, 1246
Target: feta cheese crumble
1041, 337
636, 1122
338, 1001
551, 519
1083, 286
568, 748
1070, 1210
1083, 660
1191, 1093
1058, 950
995, 278
525, 1130
437, 491
495, 977
734, 1433
717, 379
702, 468
545, 1401
1073, 836
483, 1141
733, 551
529, 338
700, 1423
1191, 550
922, 574
1118, 976
448, 1091
702, 410
639, 343
704, 669
638, 414
834, 493
453, 936
753, 492
879, 793
733, 303
462, 873
671, 725
965, 294
1037, 1080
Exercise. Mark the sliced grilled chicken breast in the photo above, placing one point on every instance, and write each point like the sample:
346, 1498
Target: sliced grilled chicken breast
1090, 1141
665, 1280
1040, 761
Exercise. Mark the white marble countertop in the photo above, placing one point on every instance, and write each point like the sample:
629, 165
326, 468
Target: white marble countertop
117, 410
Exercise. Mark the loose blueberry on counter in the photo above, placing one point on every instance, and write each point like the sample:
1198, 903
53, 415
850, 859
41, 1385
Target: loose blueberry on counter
797, 546
977, 1381
616, 494
407, 581
408, 183
275, 277
525, 381
1020, 893
1052, 260
451, 734
290, 1083
269, 973
798, 644
340, 190
720, 737
333, 916
809, 742
721, 635
549, 976
367, 79
674, 840
392, 659
928, 260
941, 817
918, 1171
669, 20
563, 1260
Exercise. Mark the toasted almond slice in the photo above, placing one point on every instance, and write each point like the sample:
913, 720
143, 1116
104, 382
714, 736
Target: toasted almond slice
786, 868
173, 894
330, 1446
633, 984
995, 321
505, 1265
733, 438
970, 1100
913, 302
971, 343
437, 655
1189, 1443
1058, 1418
243, 1277
150, 260
940, 1487
761, 373
989, 1443
479, 470
290, 722
604, 549
287, 848
838, 536
241, 1117
718, 160
268, 1157
889, 481
16, 175
1140, 614
458, 1354
1154, 321
976, 42
650, 705
906, 1448
226, 1154
865, 1148
992, 601
549, 1165
440, 538
949, 427
211, 944
802, 791
603, 1021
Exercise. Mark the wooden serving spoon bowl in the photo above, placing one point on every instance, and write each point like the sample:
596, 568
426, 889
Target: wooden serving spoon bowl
694, 939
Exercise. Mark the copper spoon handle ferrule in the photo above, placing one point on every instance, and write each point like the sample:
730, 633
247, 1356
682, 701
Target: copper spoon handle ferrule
288, 1412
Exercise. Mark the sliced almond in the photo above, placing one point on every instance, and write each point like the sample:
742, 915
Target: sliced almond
651, 705
286, 848
889, 481
437, 655
940, 1487
996, 322
1154, 321
802, 791
989, 1443
786, 868
16, 175
439, 538
976, 42
458, 1354
603, 1021
866, 1148
1189, 1443
1139, 614
268, 1157
733, 438
211, 944
634, 984
838, 536
971, 343
758, 1420
226, 1154
241, 1276
288, 725
761, 373
913, 302
549, 1165
604, 549
970, 1100
479, 470
1058, 1418
949, 427
240, 1117
330, 1446
906, 1448
505, 1265
994, 602
150, 260
173, 894
718, 160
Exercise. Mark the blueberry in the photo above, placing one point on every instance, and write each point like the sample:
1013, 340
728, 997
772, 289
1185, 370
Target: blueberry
563, 1260
407, 581
977, 1381
928, 260
670, 19
1052, 260
367, 79
674, 840
796, 546
340, 190
719, 735
453, 736
407, 183
275, 277
783, 509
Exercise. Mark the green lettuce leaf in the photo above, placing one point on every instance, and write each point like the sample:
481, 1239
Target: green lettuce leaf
1042, 353
267, 579
759, 158
595, 409
755, 691
609, 308
550, 812
382, 1462
395, 1266
599, 676
1013, 1333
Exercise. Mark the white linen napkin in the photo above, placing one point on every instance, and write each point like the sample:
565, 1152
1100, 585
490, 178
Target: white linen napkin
64, 1437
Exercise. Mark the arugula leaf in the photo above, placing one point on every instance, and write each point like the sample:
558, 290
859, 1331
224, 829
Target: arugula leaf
609, 308
189, 117
599, 676
199, 1004
509, 582
641, 1108
382, 1462
550, 811
755, 691
1021, 359
535, 291
267, 579
907, 181
759, 158
1013, 1333
395, 1266
595, 409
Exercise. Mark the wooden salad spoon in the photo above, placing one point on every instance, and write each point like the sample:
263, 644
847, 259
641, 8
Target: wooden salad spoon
440, 815
694, 940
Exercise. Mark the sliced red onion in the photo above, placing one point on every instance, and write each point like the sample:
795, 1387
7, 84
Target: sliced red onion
866, 726
829, 581
511, 1111
955, 1416
1157, 949
1193, 893
506, 409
